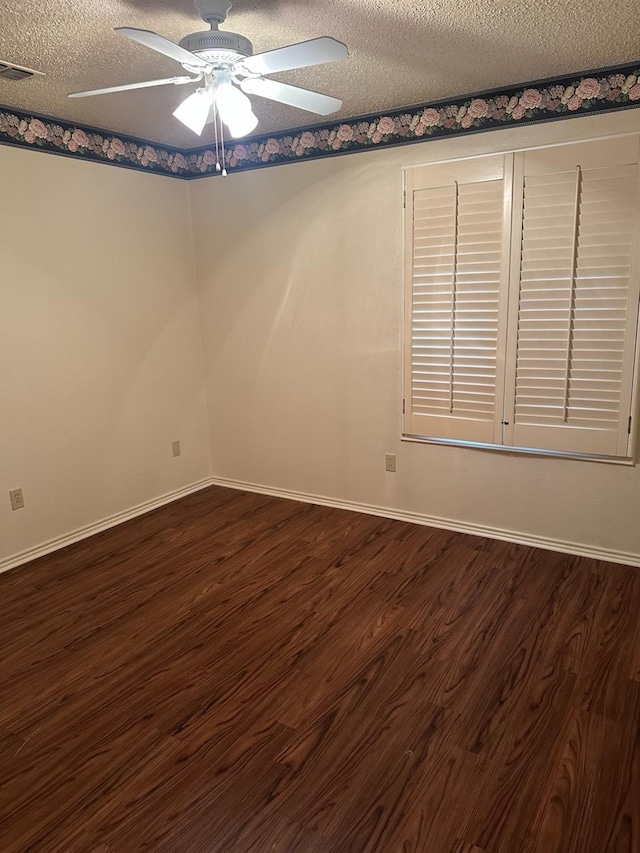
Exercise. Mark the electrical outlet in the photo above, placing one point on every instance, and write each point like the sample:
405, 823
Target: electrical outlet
17, 499
390, 462
175, 446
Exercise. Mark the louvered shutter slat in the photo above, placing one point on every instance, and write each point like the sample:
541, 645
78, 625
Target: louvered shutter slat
527, 342
575, 309
456, 265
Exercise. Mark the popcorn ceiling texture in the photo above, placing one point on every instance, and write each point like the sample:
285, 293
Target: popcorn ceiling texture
401, 52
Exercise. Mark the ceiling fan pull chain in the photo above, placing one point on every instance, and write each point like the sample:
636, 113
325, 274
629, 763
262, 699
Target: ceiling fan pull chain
215, 133
224, 161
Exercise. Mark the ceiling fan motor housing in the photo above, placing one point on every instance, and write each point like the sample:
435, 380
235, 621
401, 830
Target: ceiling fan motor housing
218, 47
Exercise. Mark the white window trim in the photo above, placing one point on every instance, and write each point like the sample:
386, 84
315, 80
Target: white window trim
633, 456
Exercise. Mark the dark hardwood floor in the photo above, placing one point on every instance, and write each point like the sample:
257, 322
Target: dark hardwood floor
239, 673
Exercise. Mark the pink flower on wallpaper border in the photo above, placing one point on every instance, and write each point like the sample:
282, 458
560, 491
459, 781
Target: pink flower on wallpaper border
430, 117
588, 88
530, 99
386, 125
478, 108
80, 138
38, 128
117, 146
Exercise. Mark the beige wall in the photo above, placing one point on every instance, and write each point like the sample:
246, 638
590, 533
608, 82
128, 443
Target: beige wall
300, 274
100, 353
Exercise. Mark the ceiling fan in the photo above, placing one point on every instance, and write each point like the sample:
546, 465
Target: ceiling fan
229, 70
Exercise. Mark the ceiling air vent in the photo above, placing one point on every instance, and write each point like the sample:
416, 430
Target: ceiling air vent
9, 71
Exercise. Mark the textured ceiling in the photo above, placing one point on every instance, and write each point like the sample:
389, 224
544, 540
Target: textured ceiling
401, 52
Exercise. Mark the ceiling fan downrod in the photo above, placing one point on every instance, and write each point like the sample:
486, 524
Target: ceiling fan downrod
214, 12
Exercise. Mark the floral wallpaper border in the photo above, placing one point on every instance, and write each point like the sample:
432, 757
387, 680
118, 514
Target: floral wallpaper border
85, 143
591, 92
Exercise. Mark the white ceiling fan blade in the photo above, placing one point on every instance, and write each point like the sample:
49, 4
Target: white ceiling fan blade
313, 52
194, 110
177, 81
163, 45
304, 99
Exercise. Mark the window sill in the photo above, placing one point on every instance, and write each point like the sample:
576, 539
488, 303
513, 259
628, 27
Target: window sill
520, 451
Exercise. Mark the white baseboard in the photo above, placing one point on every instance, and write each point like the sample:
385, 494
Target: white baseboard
547, 543
84, 532
370, 509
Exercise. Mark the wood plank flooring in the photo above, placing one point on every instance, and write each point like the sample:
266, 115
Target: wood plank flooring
236, 673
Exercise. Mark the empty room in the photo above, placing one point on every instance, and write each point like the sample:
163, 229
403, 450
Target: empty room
319, 405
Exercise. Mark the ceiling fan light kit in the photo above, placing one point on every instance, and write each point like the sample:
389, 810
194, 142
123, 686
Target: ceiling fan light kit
234, 107
194, 110
231, 71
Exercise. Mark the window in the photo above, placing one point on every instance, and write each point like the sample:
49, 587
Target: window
522, 284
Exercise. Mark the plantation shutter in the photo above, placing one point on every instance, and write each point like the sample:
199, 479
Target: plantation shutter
573, 320
456, 264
